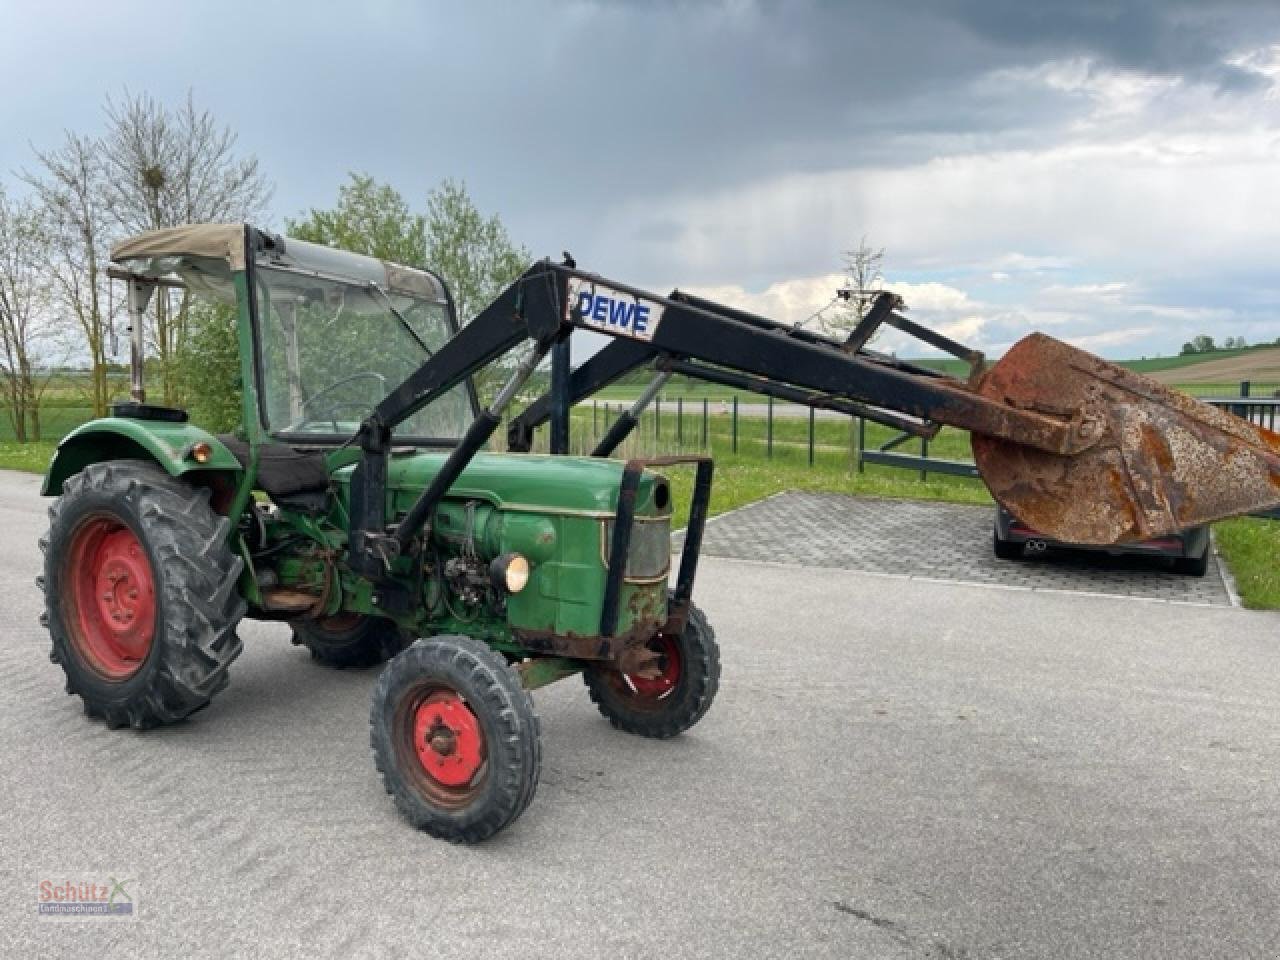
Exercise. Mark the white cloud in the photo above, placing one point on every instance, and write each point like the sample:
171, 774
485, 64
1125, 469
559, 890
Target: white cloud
798, 300
1124, 228
1015, 262
931, 297
787, 301
1167, 202
1086, 294
1109, 92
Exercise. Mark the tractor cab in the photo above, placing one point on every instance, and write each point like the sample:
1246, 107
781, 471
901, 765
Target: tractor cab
326, 334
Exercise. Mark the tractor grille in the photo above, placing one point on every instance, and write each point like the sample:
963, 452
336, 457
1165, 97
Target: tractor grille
649, 555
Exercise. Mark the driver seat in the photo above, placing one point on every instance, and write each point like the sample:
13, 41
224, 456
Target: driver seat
285, 474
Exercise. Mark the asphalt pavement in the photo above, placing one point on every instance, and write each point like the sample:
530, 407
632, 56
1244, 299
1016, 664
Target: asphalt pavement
894, 768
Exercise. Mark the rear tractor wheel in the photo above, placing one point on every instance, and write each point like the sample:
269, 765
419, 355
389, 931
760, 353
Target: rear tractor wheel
140, 594
455, 738
671, 696
350, 639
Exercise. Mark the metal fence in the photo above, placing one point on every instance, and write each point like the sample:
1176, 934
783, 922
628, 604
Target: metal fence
1261, 411
683, 424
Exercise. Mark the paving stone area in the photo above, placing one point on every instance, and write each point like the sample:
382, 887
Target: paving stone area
944, 541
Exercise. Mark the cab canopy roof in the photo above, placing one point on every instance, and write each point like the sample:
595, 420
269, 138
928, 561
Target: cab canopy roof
202, 256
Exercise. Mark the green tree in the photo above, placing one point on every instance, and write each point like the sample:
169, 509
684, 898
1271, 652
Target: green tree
1203, 343
371, 218
472, 252
70, 188
208, 362
28, 322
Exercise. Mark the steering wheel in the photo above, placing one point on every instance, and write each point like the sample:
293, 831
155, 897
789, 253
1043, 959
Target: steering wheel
331, 410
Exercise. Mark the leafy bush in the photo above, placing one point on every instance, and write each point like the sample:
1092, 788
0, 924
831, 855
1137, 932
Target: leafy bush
208, 365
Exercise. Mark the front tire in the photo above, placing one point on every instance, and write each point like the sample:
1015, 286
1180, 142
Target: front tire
351, 639
678, 696
455, 738
140, 594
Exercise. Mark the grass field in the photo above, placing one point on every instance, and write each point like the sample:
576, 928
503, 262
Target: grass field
31, 457
1157, 364
1251, 548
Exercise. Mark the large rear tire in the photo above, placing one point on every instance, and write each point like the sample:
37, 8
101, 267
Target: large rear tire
351, 639
140, 594
678, 696
455, 738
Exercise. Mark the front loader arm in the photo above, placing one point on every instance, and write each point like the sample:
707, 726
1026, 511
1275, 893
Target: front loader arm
615, 360
820, 366
1062, 438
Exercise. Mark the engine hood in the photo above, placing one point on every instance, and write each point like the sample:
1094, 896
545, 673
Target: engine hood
521, 481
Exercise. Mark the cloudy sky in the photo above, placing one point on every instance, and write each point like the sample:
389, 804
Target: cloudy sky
1108, 172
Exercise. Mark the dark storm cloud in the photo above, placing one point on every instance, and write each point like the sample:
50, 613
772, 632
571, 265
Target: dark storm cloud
1183, 39
709, 94
626, 98
654, 97
595, 104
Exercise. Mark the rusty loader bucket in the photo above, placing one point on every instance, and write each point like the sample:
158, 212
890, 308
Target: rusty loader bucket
1150, 460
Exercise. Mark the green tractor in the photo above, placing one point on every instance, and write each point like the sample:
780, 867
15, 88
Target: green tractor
360, 507
164, 536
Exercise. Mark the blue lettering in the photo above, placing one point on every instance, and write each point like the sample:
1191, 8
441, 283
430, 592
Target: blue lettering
624, 314
620, 313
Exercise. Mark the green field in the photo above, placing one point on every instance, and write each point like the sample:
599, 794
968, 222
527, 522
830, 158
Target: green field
1251, 547
65, 403
1156, 364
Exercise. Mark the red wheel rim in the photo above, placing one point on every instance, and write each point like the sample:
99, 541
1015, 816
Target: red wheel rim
447, 739
114, 595
656, 686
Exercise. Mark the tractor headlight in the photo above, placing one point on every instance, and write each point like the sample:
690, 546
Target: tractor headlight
510, 572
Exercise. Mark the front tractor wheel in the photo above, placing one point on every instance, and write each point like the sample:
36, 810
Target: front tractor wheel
351, 639
673, 693
455, 738
140, 594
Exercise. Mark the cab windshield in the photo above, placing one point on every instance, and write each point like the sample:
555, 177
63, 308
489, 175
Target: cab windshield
331, 349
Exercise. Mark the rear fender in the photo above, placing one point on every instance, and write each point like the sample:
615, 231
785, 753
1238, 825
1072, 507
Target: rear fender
168, 444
